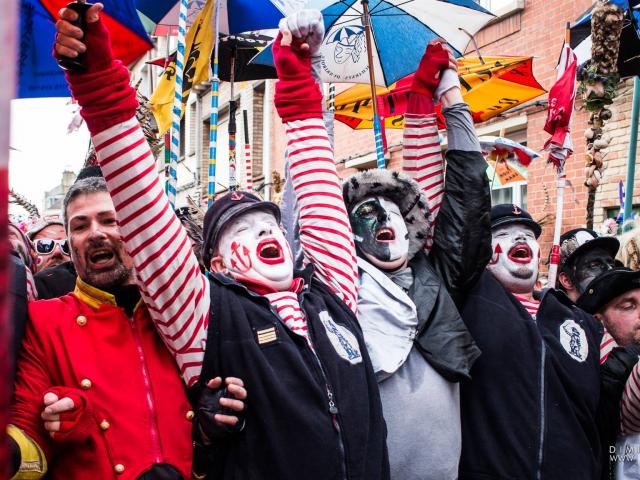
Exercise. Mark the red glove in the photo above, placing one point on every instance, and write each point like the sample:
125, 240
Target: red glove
103, 91
426, 79
75, 425
297, 95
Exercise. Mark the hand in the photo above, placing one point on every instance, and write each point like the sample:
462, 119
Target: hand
220, 411
69, 37
306, 25
297, 95
437, 59
67, 415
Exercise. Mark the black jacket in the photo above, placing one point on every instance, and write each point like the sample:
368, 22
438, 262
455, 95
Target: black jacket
56, 281
461, 249
291, 432
530, 410
614, 373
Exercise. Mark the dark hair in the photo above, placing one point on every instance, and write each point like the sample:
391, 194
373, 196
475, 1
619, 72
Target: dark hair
82, 187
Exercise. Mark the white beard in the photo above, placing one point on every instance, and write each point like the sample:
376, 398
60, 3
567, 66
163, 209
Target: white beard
517, 274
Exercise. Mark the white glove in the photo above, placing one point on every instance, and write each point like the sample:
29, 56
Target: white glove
448, 80
306, 25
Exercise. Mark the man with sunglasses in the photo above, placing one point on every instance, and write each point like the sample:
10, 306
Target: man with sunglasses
50, 242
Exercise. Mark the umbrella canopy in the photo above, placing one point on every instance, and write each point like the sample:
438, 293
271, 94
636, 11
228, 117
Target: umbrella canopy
489, 88
629, 55
236, 16
39, 73
401, 31
500, 148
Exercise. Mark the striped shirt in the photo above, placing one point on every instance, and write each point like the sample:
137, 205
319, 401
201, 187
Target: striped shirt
606, 345
171, 284
529, 304
422, 161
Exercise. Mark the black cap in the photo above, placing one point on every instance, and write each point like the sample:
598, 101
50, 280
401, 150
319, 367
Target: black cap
606, 287
227, 208
579, 240
507, 213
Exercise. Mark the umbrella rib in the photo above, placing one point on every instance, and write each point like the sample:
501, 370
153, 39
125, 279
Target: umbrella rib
377, 12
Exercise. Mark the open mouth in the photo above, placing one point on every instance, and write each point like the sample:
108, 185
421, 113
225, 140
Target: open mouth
101, 258
385, 234
520, 253
270, 252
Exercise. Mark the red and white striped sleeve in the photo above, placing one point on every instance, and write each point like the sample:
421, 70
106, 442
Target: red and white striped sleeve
607, 344
325, 232
423, 162
170, 281
630, 404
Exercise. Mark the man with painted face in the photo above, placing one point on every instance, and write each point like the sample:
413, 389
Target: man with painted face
421, 243
530, 408
311, 407
583, 256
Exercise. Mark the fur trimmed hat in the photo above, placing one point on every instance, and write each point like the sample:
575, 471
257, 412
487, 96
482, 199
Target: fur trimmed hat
401, 190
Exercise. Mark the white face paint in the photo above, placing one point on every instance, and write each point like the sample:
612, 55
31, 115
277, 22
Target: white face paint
253, 248
515, 259
380, 232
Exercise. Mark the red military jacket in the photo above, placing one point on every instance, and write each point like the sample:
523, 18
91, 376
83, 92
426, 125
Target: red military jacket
141, 413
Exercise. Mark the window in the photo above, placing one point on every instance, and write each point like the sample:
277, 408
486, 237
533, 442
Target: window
502, 7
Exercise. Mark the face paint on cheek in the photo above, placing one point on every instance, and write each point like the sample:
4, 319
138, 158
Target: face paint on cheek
496, 254
240, 257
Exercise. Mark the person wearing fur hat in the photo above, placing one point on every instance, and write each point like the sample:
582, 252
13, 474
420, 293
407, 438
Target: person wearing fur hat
583, 256
277, 367
421, 242
530, 408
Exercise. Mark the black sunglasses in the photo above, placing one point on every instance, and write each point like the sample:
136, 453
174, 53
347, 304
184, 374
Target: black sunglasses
44, 246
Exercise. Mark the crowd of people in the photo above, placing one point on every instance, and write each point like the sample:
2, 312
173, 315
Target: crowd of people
409, 343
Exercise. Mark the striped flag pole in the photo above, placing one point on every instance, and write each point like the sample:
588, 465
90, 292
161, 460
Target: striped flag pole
177, 105
213, 121
377, 129
332, 97
233, 183
248, 162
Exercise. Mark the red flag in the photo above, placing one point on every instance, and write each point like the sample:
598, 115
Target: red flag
561, 100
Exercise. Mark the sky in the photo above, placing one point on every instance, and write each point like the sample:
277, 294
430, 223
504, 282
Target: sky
43, 148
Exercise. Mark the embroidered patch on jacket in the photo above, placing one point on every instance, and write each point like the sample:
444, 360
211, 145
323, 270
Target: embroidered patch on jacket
267, 335
574, 340
344, 342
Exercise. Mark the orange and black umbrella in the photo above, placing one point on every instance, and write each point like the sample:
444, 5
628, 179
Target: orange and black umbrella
490, 88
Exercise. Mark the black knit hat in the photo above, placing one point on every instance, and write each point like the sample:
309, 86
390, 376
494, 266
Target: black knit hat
579, 240
507, 213
225, 209
606, 287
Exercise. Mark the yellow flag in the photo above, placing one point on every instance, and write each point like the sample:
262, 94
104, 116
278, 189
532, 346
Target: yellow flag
197, 54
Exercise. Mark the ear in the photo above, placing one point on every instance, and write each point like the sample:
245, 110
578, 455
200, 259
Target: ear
217, 265
566, 283
598, 316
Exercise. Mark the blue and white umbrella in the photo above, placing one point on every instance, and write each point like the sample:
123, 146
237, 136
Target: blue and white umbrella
401, 30
381, 41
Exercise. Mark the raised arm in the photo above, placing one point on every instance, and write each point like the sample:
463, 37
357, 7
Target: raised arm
325, 232
422, 154
461, 232
169, 278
